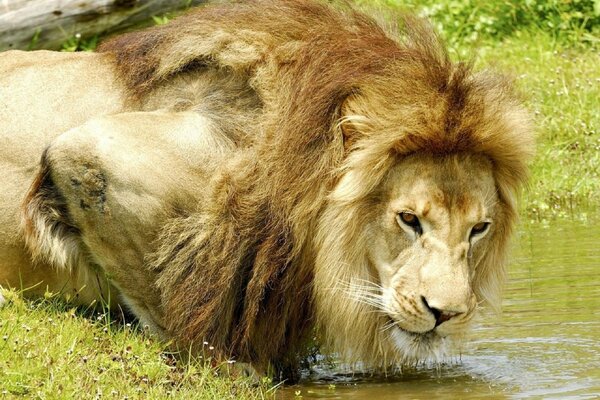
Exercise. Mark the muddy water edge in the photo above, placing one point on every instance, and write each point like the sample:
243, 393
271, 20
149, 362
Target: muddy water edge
545, 344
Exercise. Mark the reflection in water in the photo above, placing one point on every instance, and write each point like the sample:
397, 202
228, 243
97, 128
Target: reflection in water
546, 343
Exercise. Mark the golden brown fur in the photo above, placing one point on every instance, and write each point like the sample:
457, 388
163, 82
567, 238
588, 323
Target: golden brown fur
241, 271
331, 106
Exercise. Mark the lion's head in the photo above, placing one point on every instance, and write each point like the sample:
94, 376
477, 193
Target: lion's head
414, 233
376, 192
399, 272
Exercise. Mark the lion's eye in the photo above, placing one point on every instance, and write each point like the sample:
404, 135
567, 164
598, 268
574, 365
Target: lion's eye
411, 220
480, 228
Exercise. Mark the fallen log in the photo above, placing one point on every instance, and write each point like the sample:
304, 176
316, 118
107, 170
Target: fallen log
35, 24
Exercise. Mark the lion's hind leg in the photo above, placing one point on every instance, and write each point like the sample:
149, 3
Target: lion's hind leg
105, 190
54, 243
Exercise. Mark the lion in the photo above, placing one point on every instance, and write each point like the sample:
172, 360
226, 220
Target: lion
251, 172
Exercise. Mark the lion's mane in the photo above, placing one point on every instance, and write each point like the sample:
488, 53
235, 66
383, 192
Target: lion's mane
341, 101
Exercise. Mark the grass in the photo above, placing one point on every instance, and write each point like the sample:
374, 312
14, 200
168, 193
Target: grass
561, 86
50, 350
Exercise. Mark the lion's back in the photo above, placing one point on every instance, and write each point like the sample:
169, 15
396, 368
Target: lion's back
44, 93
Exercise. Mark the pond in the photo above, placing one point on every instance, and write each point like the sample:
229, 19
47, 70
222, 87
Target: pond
545, 344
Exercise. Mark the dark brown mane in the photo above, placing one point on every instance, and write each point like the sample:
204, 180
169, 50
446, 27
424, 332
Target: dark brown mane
237, 36
238, 273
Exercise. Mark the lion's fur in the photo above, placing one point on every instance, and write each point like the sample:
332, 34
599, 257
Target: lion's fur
331, 103
240, 270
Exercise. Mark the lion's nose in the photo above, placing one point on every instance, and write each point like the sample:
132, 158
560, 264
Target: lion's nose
440, 316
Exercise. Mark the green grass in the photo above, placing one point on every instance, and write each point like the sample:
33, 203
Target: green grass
470, 21
50, 350
561, 86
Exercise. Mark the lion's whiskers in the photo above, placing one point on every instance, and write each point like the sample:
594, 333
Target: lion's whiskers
367, 293
387, 326
368, 299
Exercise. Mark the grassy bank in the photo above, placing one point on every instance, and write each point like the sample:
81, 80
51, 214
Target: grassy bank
561, 87
50, 350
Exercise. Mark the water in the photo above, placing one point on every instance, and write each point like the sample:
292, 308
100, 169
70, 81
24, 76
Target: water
546, 343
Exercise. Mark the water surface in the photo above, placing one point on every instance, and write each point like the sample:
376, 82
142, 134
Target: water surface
545, 344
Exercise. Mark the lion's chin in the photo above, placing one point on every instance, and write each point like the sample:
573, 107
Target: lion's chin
414, 347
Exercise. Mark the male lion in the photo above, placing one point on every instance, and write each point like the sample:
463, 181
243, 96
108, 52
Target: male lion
251, 171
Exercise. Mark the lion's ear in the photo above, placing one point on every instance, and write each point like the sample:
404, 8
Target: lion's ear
352, 124
349, 133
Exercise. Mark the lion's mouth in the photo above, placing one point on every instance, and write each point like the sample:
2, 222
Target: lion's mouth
430, 332
434, 345
392, 322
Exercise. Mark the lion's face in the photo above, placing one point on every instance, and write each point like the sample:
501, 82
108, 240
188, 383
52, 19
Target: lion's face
421, 236
433, 221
